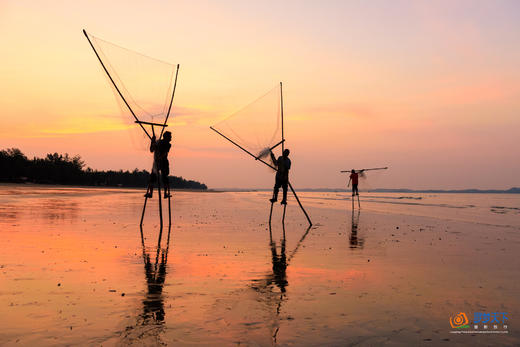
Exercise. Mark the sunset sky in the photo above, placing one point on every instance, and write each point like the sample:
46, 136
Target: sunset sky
430, 89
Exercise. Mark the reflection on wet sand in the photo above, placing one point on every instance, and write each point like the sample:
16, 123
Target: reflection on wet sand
355, 240
59, 209
150, 323
272, 287
62, 280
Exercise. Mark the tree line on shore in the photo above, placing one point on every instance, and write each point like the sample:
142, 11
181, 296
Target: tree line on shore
63, 169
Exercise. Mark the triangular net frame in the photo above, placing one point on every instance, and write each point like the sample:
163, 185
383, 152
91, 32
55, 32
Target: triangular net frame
145, 85
257, 127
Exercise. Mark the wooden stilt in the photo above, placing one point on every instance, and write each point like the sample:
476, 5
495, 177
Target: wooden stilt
144, 209
270, 215
270, 234
359, 204
160, 198
169, 210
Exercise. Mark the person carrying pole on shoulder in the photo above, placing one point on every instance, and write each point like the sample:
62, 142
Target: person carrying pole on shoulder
283, 165
354, 177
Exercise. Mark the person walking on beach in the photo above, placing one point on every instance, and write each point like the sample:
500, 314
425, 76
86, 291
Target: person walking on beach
283, 165
161, 165
354, 177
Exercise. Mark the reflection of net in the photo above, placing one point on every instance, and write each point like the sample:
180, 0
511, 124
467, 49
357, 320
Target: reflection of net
256, 127
145, 83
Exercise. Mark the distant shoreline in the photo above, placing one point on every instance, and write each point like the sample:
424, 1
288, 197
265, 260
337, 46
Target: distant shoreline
48, 185
514, 190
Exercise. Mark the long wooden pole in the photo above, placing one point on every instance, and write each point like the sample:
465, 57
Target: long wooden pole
299, 203
278, 144
114, 84
171, 100
376, 168
242, 148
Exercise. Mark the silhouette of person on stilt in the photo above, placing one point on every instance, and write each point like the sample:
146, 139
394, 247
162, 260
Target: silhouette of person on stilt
283, 165
161, 165
354, 177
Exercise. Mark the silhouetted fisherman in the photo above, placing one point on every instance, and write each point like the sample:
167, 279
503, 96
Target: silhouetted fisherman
283, 165
161, 165
354, 177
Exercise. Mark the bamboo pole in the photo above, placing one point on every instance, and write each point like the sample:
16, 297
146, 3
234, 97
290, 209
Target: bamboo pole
375, 168
171, 100
114, 83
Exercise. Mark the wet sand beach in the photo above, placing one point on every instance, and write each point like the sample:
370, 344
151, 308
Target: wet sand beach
76, 269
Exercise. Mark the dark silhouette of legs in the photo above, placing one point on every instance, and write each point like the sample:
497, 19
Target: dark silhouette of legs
165, 172
149, 189
355, 190
283, 184
277, 186
284, 187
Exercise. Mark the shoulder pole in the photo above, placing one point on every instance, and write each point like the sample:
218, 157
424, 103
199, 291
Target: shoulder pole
114, 84
242, 148
171, 100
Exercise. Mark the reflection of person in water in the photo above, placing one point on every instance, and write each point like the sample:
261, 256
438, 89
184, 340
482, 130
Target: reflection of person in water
273, 287
279, 266
150, 323
155, 276
355, 242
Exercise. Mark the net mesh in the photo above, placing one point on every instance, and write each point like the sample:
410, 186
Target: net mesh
256, 127
144, 82
368, 180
